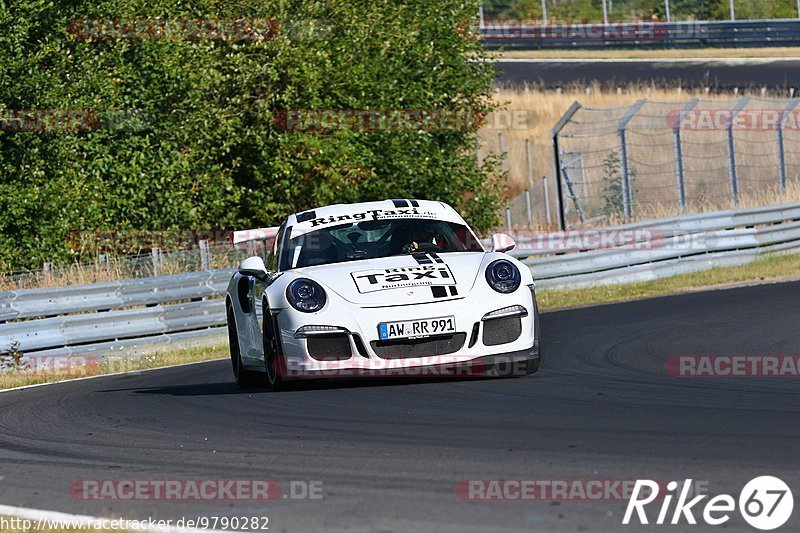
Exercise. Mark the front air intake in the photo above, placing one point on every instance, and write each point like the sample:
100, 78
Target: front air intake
501, 330
334, 347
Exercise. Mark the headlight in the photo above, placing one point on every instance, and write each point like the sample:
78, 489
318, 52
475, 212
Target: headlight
503, 276
306, 295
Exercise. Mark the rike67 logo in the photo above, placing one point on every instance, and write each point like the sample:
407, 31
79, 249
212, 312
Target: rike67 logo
765, 503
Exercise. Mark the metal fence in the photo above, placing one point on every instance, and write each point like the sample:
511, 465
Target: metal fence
657, 159
533, 35
114, 317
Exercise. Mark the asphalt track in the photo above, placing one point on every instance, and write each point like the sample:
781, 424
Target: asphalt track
389, 453
778, 75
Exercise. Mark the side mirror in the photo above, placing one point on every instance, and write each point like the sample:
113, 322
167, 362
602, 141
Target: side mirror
253, 266
502, 243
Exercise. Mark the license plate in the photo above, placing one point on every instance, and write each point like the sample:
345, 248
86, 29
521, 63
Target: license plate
411, 329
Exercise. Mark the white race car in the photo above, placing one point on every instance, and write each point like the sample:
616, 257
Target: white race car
392, 288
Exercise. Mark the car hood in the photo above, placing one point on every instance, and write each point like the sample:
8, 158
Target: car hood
400, 280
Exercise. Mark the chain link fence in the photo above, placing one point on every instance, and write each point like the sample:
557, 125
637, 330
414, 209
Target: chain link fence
657, 159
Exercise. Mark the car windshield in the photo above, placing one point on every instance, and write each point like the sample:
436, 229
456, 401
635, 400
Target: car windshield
374, 239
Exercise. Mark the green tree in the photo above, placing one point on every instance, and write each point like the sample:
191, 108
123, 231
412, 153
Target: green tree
208, 153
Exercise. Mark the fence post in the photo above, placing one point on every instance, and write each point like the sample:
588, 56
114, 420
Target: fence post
546, 202
503, 161
155, 255
529, 160
508, 217
103, 263
205, 255
679, 170
566, 117
732, 149
47, 271
478, 151
627, 195
572, 194
528, 207
779, 132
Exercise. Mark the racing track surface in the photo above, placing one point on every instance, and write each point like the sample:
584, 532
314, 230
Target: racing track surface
778, 74
390, 453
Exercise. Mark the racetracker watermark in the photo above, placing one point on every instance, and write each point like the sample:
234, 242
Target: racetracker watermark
765, 503
367, 120
547, 489
71, 120
573, 30
44, 365
415, 367
195, 489
606, 238
734, 366
704, 119
175, 29
155, 29
127, 240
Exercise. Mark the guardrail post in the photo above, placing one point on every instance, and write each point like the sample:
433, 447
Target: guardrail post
779, 133
732, 171
205, 255
155, 255
566, 117
679, 170
508, 217
546, 202
627, 194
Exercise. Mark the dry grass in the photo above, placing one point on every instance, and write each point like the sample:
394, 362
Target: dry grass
76, 367
771, 267
115, 269
651, 152
700, 53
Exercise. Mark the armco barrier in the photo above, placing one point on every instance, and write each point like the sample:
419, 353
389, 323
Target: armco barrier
533, 35
682, 245
119, 315
137, 315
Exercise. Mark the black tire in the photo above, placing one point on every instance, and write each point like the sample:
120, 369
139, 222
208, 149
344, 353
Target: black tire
272, 353
244, 378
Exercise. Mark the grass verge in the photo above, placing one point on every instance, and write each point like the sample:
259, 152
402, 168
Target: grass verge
772, 267
699, 53
76, 367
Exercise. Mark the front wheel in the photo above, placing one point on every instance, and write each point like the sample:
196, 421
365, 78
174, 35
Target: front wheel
244, 378
272, 354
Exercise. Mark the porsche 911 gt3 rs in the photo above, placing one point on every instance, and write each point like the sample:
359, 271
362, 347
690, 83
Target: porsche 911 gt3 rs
381, 288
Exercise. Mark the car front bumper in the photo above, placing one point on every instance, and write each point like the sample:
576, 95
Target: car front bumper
480, 342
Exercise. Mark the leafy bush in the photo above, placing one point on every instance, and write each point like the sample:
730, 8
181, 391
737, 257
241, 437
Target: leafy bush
207, 153
613, 196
